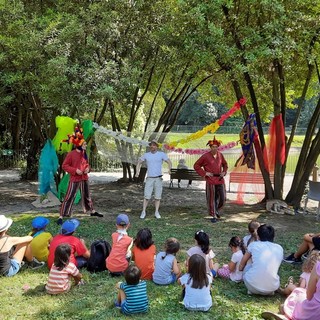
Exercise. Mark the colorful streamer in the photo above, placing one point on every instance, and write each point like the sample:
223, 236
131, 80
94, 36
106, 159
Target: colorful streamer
172, 145
199, 151
213, 127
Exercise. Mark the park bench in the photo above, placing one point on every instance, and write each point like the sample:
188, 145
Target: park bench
247, 178
184, 174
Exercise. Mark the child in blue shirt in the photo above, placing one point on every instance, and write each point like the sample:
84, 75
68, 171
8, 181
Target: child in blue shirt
132, 295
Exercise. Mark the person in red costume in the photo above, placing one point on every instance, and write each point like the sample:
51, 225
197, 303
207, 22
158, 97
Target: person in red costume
77, 165
213, 166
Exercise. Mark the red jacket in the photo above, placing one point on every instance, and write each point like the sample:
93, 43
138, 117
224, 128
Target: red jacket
215, 165
73, 161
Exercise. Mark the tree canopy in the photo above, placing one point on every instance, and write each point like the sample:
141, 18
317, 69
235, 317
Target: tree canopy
132, 65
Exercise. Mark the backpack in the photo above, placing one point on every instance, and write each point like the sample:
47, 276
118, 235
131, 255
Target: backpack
99, 251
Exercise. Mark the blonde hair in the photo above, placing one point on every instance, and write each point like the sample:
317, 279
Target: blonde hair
312, 259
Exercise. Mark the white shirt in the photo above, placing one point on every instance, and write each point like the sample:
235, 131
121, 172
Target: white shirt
263, 273
196, 299
154, 162
236, 258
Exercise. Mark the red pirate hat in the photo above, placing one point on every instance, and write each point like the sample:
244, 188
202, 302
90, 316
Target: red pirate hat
214, 142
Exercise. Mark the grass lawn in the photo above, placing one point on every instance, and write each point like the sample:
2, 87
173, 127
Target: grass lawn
94, 300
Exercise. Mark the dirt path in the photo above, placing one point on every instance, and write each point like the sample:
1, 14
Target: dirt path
110, 197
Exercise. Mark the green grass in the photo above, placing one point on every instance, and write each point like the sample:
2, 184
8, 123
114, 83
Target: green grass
94, 300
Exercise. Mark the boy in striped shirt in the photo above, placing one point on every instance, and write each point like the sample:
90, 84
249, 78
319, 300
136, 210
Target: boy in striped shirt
62, 271
132, 295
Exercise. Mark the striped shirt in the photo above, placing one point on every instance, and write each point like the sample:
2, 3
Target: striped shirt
60, 280
136, 298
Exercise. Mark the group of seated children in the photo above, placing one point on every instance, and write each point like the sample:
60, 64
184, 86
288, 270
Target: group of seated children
255, 262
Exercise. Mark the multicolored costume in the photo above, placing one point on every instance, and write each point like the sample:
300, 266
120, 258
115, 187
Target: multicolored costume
213, 166
77, 165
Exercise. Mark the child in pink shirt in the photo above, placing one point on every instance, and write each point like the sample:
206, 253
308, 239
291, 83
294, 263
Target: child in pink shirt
62, 271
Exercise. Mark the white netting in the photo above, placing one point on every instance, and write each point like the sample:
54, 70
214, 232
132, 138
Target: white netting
123, 146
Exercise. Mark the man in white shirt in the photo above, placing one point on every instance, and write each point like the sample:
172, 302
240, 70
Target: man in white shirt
261, 277
153, 159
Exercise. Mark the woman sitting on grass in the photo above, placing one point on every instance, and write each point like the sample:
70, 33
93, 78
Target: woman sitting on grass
62, 270
196, 283
13, 250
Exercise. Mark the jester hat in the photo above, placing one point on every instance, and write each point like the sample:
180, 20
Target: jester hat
76, 138
214, 142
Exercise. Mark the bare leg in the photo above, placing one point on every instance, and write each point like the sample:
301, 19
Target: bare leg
287, 290
121, 296
22, 250
145, 204
305, 245
157, 205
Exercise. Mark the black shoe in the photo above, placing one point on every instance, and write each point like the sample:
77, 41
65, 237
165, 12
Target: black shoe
59, 221
35, 264
214, 220
218, 215
96, 214
292, 259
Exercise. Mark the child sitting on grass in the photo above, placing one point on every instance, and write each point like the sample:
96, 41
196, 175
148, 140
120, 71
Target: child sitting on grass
143, 253
132, 296
203, 249
252, 236
118, 260
167, 269
62, 270
41, 239
13, 250
196, 285
231, 270
305, 275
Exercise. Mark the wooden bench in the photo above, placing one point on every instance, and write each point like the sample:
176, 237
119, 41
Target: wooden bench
247, 178
184, 174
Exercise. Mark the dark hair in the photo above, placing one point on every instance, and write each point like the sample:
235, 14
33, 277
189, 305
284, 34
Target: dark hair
203, 241
62, 255
132, 274
143, 239
237, 242
172, 246
198, 272
266, 233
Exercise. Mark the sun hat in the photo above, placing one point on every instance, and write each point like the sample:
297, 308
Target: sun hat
69, 226
154, 142
5, 223
39, 222
122, 219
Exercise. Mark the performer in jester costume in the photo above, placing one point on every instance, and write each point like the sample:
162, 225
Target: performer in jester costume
77, 165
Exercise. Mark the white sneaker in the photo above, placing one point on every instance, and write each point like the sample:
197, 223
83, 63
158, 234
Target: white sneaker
142, 215
157, 215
